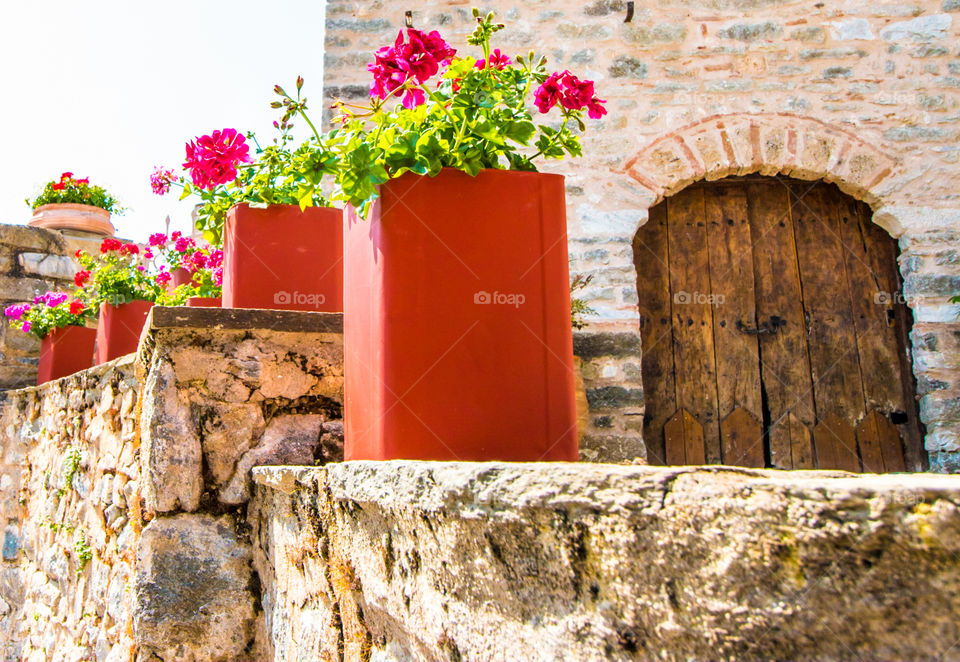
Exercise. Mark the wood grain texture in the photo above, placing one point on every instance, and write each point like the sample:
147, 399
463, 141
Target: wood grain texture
731, 279
693, 351
880, 446
684, 437
651, 258
836, 444
742, 436
785, 366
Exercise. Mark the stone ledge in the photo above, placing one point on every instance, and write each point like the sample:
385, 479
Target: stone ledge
606, 562
436, 485
182, 317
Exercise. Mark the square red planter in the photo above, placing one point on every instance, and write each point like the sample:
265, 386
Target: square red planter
457, 336
65, 351
283, 258
119, 328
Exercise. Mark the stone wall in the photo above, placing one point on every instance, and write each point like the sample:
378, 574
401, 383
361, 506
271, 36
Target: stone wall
864, 94
143, 469
32, 261
223, 390
70, 508
408, 561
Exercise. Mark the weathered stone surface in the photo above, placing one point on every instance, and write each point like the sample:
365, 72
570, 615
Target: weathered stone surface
428, 561
192, 600
923, 28
63, 454
288, 439
170, 450
48, 266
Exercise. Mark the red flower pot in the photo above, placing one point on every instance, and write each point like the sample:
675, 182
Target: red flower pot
65, 351
283, 258
457, 335
180, 276
204, 302
119, 328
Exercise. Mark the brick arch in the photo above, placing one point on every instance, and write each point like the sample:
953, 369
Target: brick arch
765, 143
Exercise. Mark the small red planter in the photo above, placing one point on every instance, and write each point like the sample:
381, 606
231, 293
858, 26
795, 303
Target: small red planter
180, 276
119, 328
65, 351
283, 258
204, 302
457, 336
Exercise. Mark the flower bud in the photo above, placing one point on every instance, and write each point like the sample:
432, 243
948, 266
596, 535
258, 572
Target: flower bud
299, 82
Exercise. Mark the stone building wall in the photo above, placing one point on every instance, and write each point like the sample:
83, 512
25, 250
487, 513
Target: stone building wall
32, 261
865, 94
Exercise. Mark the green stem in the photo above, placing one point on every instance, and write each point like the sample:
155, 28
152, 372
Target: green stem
439, 102
312, 127
566, 118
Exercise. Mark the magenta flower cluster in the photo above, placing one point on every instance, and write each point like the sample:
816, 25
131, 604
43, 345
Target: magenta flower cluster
571, 93
51, 299
161, 179
416, 59
213, 159
17, 310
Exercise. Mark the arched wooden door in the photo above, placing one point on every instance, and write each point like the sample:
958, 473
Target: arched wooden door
773, 331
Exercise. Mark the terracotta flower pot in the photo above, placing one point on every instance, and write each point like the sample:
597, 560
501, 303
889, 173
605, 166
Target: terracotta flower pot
119, 328
204, 302
457, 336
180, 276
69, 216
283, 258
65, 351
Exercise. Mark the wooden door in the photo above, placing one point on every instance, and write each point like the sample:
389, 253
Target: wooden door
773, 331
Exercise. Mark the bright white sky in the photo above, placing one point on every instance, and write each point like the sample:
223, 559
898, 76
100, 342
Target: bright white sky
108, 89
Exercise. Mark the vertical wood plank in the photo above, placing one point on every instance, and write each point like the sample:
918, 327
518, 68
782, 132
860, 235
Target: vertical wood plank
742, 436
876, 337
879, 439
868, 440
731, 280
694, 358
651, 258
883, 255
684, 437
836, 444
831, 336
785, 365
801, 442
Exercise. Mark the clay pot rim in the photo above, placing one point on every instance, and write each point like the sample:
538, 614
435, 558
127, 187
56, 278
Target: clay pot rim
75, 206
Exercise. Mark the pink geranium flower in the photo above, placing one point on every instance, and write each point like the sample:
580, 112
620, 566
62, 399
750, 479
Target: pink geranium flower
213, 159
157, 239
571, 93
497, 60
161, 179
417, 59
16, 311
163, 277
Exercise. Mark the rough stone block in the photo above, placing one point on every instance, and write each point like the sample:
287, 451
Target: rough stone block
171, 456
191, 591
45, 265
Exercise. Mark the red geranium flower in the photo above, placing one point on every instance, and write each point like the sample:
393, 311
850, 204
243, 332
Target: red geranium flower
76, 307
110, 244
81, 278
129, 249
